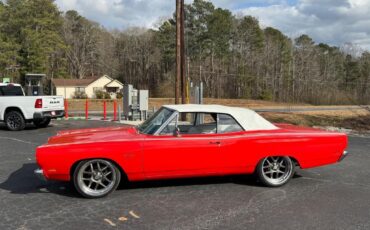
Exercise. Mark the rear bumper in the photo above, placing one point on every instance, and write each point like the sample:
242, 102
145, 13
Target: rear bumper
40, 174
344, 155
48, 114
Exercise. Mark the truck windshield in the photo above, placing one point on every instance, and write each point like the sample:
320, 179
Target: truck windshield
11, 90
151, 125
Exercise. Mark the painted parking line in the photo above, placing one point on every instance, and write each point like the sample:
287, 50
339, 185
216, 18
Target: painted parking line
110, 222
18, 140
134, 215
122, 219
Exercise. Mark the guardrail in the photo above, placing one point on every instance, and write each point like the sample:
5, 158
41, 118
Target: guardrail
83, 108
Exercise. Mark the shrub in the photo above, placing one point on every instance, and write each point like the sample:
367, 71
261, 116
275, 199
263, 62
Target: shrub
119, 95
79, 95
265, 95
102, 95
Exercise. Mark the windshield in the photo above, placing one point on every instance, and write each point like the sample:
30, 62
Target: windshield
151, 125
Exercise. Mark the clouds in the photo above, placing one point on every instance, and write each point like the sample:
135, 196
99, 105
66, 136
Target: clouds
330, 21
120, 13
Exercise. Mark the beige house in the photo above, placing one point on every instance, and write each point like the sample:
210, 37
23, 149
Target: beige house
68, 87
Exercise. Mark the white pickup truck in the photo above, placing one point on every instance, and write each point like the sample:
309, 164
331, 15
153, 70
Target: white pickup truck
16, 109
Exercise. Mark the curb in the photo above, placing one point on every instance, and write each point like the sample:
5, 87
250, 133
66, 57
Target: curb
83, 118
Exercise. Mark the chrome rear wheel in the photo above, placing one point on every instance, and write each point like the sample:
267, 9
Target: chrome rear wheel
96, 178
275, 171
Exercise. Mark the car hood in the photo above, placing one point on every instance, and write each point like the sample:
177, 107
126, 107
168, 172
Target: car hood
94, 135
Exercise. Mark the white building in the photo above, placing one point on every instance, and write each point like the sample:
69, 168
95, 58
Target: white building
68, 87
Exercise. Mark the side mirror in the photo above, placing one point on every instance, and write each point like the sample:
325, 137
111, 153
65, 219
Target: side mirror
176, 132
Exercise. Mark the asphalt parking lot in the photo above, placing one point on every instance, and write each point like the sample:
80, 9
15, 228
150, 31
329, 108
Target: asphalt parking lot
332, 197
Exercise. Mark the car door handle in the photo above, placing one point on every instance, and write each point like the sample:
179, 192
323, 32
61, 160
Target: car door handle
215, 143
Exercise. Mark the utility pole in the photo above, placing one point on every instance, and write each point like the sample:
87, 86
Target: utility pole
187, 81
180, 54
183, 64
178, 51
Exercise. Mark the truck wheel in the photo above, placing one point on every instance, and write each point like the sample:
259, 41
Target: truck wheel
42, 123
14, 121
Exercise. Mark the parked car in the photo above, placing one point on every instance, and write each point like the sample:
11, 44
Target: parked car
186, 141
16, 109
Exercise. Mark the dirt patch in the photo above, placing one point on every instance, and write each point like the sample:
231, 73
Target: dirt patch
158, 102
359, 121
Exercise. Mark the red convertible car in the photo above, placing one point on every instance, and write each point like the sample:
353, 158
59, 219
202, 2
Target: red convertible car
186, 141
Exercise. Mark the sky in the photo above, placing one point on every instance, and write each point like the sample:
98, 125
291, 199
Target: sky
334, 22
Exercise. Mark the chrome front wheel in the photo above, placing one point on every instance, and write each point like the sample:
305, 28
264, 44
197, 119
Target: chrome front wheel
275, 171
96, 178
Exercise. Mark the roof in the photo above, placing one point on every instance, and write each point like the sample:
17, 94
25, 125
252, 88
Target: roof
114, 81
6, 84
248, 119
74, 82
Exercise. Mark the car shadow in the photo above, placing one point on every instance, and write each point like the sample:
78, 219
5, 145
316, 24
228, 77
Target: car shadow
247, 180
23, 181
28, 127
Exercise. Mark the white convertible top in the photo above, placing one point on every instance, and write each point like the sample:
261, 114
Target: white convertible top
248, 119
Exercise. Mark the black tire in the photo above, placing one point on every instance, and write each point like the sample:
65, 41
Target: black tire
14, 120
275, 171
84, 183
43, 123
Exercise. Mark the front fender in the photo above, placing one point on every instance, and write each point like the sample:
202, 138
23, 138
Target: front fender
56, 161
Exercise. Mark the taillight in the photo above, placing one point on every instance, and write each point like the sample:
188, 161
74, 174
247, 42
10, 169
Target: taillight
38, 103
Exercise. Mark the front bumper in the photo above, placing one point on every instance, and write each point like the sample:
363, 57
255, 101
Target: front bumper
48, 114
40, 174
344, 154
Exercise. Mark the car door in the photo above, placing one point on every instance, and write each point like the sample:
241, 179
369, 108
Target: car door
185, 154
234, 148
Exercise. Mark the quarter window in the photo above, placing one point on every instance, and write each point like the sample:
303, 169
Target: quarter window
227, 124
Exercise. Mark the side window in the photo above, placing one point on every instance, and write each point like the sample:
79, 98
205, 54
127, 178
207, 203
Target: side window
186, 122
206, 118
227, 124
205, 123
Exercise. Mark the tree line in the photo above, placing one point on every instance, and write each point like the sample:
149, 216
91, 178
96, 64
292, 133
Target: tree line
232, 55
